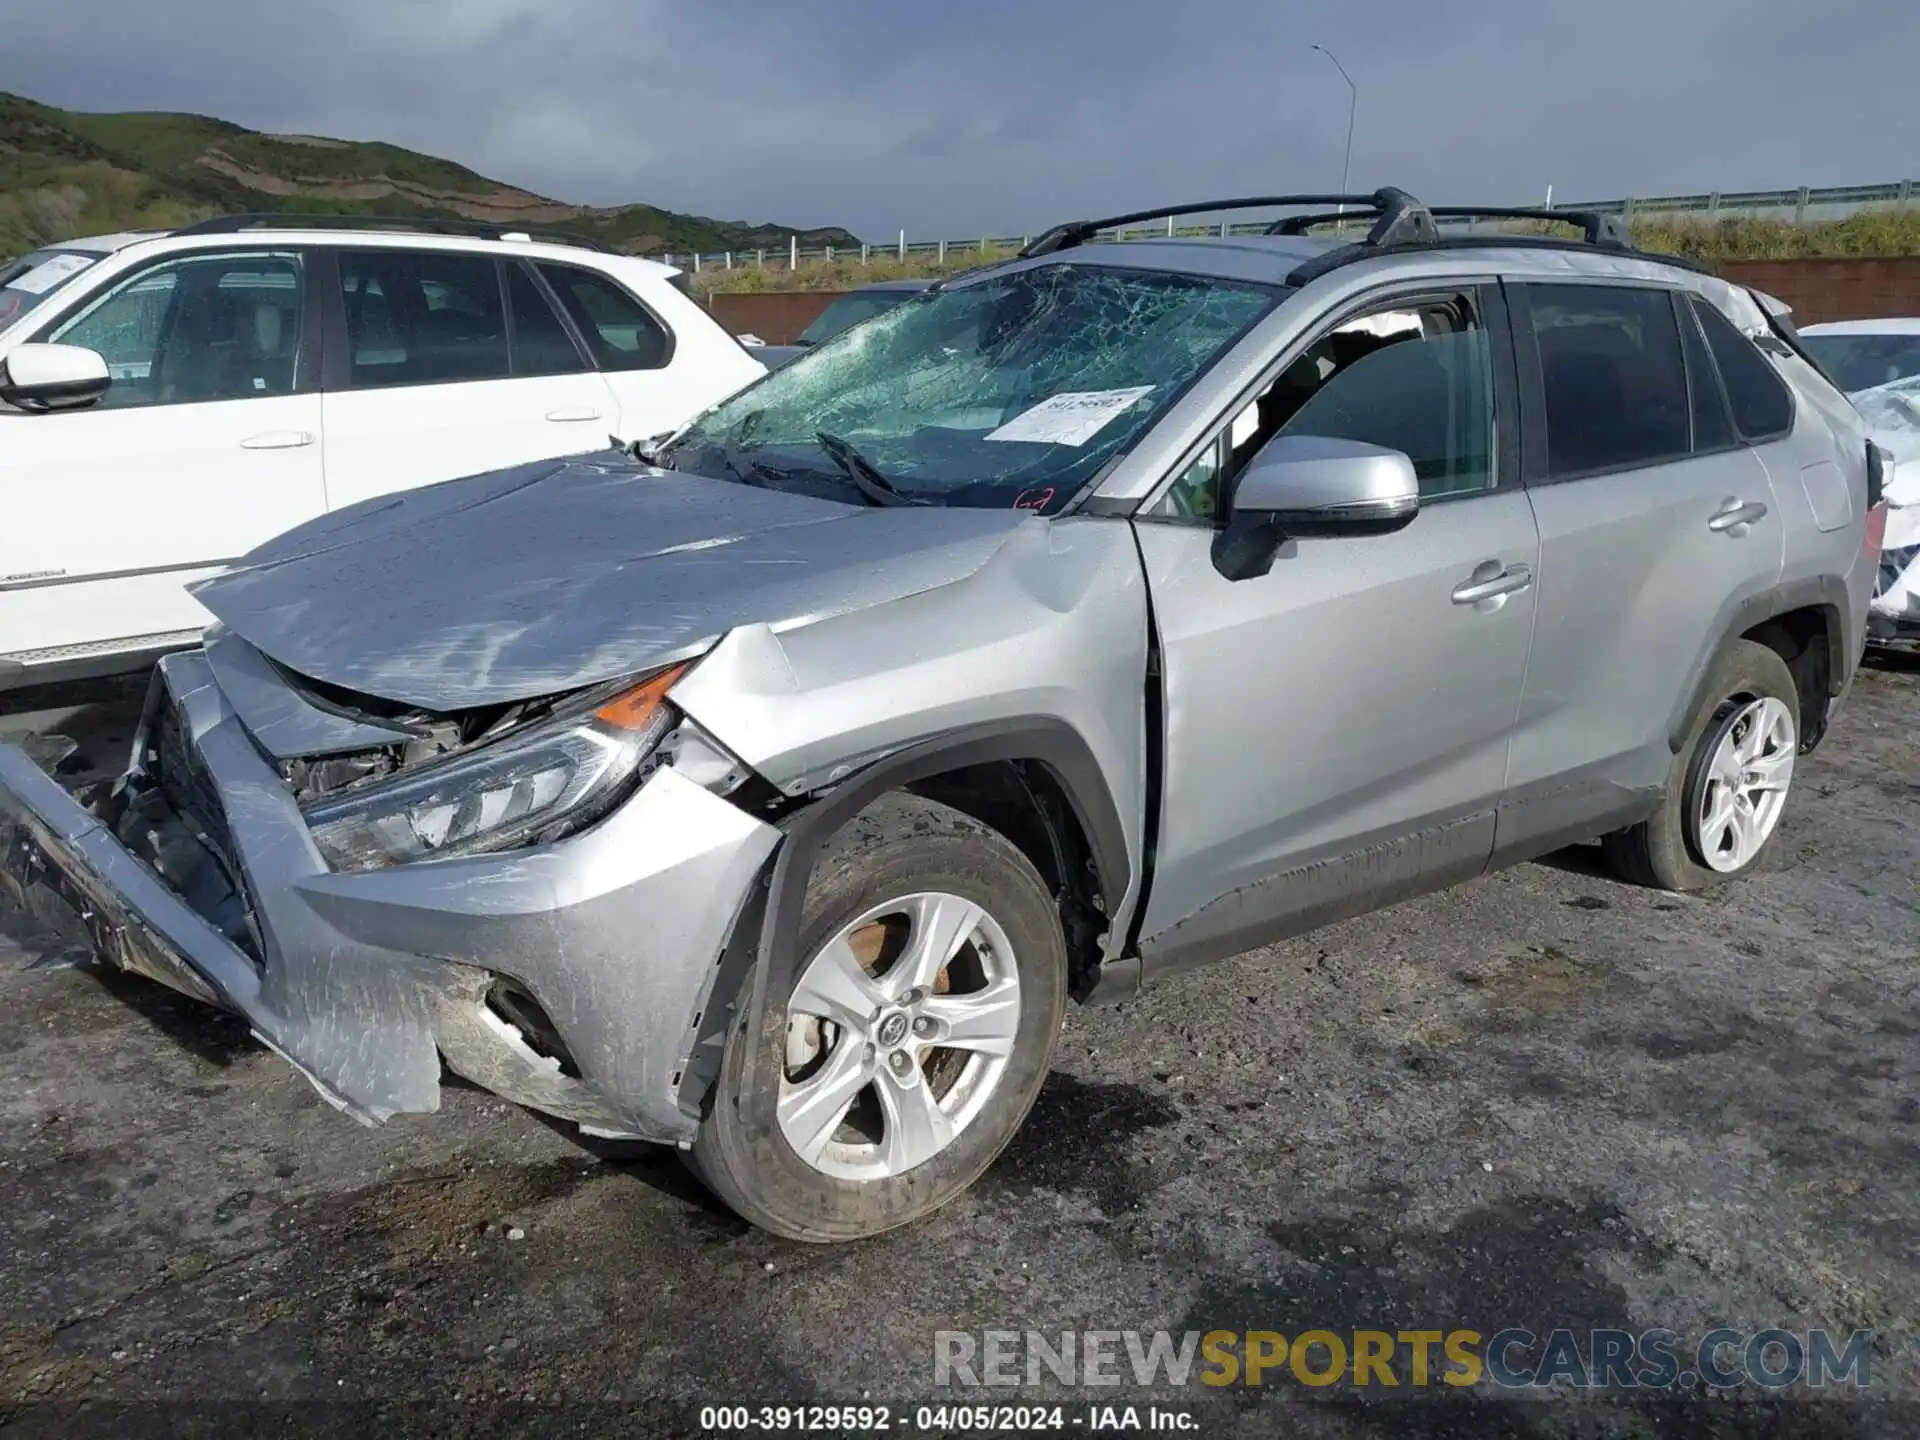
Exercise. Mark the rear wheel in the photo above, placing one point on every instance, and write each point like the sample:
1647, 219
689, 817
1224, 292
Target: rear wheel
1730, 784
930, 986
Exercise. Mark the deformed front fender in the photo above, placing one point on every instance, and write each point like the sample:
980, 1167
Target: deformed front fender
1039, 655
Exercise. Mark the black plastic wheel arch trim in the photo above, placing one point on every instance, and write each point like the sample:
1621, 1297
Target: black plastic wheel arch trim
1825, 593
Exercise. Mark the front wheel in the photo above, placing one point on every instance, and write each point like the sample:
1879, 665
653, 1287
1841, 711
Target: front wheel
1730, 782
930, 986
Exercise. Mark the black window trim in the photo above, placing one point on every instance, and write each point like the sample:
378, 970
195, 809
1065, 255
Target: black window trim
1696, 299
309, 353
582, 352
1534, 471
1684, 316
540, 266
1483, 292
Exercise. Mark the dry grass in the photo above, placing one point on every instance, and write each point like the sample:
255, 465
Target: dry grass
1884, 232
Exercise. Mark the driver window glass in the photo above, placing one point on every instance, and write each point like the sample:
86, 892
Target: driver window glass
1418, 379
219, 327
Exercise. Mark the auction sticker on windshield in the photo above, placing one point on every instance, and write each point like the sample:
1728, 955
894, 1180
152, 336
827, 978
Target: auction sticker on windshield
49, 273
1070, 418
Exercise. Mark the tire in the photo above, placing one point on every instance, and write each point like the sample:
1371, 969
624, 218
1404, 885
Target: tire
945, 862
1673, 850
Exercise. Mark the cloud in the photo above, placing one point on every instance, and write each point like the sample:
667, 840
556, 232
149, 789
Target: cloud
1002, 117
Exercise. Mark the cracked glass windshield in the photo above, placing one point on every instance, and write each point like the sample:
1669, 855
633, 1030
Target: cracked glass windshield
1012, 389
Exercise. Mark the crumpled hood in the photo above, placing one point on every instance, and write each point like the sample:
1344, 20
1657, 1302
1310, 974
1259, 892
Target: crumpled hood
546, 577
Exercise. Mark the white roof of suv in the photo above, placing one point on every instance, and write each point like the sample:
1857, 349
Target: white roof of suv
105, 244
1902, 325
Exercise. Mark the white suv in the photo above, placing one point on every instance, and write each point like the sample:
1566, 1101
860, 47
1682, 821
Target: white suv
170, 400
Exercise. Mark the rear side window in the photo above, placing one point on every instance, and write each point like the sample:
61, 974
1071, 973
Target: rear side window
1762, 404
620, 331
422, 319
1615, 384
541, 345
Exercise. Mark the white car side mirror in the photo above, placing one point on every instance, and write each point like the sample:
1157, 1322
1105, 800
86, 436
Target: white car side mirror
53, 377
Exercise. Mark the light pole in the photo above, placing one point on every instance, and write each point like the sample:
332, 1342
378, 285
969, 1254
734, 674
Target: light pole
1353, 103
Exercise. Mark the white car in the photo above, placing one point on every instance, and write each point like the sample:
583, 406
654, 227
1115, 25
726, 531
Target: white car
1877, 362
169, 400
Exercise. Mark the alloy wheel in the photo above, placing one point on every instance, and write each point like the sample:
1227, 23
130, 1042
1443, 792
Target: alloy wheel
1745, 785
898, 1032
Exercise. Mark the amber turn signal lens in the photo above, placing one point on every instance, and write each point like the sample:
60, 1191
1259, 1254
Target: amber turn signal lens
634, 709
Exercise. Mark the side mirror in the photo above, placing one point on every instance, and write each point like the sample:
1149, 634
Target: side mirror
1310, 486
53, 377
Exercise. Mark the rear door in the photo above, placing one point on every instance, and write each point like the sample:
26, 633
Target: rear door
1336, 730
1656, 524
449, 364
205, 445
661, 375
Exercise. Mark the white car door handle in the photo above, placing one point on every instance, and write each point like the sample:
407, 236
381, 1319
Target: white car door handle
573, 414
1735, 516
1482, 586
277, 440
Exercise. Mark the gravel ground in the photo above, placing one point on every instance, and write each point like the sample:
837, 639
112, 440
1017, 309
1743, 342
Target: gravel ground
1544, 1099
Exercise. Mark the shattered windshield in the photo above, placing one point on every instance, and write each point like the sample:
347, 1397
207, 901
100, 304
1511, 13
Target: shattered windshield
1011, 390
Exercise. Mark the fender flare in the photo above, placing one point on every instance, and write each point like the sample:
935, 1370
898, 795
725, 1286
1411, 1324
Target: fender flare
1826, 593
765, 933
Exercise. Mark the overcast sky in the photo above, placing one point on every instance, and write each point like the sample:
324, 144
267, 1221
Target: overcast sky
1003, 115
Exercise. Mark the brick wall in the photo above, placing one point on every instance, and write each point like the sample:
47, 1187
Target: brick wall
777, 318
1821, 290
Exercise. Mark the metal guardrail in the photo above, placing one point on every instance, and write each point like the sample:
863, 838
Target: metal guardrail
1800, 206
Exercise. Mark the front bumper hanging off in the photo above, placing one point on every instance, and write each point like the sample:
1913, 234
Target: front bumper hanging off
365, 980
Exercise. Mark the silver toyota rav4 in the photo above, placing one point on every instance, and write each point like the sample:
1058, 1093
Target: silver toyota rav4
767, 793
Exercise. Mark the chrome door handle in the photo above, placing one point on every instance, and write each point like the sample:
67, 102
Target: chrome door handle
1483, 586
277, 440
573, 414
1735, 516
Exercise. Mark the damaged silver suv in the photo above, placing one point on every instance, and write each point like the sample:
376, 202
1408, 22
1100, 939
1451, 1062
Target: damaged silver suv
1120, 607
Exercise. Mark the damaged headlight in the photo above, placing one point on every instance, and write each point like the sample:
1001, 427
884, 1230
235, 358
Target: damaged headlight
552, 778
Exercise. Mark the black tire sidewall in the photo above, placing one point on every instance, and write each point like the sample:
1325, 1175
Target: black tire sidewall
903, 845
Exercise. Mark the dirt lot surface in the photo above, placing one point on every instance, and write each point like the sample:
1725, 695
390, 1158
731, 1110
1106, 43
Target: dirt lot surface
1545, 1099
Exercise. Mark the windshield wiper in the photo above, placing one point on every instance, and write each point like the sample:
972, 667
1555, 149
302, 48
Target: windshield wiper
868, 481
742, 469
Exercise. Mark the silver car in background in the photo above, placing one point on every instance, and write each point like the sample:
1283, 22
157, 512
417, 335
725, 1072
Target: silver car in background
1102, 613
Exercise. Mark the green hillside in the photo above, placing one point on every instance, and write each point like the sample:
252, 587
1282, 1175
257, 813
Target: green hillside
63, 173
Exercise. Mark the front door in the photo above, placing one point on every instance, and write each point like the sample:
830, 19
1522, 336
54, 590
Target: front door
1336, 730
206, 444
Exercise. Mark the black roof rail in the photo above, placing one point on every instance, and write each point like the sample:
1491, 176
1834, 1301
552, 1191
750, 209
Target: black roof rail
1399, 221
1597, 228
1389, 203
424, 225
